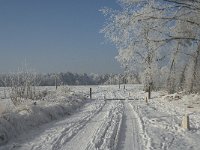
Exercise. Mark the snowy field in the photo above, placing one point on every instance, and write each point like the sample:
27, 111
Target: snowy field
115, 119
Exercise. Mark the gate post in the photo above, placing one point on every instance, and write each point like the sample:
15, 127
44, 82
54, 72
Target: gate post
90, 93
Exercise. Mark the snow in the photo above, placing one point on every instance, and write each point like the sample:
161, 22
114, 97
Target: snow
130, 135
66, 119
162, 122
27, 115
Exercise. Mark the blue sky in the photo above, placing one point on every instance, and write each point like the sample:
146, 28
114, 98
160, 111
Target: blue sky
55, 36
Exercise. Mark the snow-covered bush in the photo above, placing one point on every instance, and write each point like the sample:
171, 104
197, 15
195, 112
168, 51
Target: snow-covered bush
22, 85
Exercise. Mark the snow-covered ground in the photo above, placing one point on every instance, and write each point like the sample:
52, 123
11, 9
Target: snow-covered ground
115, 119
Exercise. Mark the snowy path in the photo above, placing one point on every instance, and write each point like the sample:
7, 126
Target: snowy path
55, 134
130, 137
89, 131
114, 124
97, 125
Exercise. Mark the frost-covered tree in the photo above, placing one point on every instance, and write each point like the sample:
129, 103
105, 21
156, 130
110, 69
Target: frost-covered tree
136, 36
158, 39
185, 30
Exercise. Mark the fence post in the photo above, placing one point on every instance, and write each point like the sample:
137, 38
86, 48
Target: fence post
90, 93
56, 83
119, 81
185, 122
146, 100
149, 92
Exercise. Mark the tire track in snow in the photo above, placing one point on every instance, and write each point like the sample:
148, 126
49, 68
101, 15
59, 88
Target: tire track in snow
80, 141
130, 137
55, 134
132, 134
146, 140
74, 128
106, 137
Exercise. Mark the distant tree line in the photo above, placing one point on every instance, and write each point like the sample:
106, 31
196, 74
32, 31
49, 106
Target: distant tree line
24, 84
50, 79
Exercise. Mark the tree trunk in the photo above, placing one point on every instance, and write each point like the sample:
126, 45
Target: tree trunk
171, 79
195, 61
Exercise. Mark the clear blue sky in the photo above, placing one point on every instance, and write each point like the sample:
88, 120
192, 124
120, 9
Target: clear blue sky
55, 36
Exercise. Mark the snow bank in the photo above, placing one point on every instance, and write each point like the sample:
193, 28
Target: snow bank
162, 118
27, 116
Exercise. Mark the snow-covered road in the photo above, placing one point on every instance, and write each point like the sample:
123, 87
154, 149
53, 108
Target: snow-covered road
99, 124
112, 122
129, 134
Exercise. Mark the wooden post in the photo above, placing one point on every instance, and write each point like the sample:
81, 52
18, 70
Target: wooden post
56, 85
119, 81
146, 100
90, 93
124, 83
185, 122
149, 92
